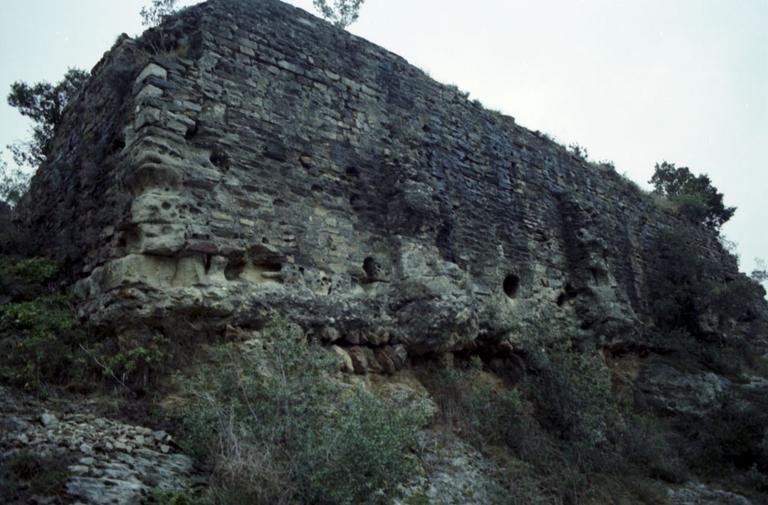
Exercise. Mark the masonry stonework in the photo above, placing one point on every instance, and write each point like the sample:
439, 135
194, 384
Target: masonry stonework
247, 159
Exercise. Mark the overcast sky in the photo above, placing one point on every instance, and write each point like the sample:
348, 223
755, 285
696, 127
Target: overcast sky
635, 82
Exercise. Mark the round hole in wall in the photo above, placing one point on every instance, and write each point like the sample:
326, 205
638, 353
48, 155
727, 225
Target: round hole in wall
511, 285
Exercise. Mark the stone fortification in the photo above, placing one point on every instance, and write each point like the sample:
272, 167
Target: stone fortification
247, 158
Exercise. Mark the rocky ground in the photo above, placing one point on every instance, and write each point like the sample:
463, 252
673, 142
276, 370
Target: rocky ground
65, 452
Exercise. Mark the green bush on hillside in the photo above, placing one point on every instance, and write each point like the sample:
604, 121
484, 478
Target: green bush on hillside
35, 270
483, 412
38, 342
281, 429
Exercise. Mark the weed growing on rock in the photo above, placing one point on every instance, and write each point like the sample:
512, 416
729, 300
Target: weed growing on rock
174, 497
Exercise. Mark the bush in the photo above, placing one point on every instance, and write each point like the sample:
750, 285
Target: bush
33, 270
734, 436
686, 284
573, 394
43, 344
135, 361
470, 403
24, 474
174, 497
281, 429
644, 445
38, 342
25, 279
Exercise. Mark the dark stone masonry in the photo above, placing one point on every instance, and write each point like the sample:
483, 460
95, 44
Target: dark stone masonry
247, 159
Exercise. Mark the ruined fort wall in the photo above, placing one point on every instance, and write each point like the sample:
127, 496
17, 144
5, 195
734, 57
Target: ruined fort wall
259, 159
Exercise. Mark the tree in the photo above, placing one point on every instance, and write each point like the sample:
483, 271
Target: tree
157, 12
13, 183
44, 104
343, 12
693, 195
760, 273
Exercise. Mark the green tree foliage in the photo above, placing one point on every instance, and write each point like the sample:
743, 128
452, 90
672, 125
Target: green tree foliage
760, 273
693, 195
342, 13
44, 104
686, 285
36, 342
157, 12
13, 183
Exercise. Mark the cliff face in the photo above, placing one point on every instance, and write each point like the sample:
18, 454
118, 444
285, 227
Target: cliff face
249, 158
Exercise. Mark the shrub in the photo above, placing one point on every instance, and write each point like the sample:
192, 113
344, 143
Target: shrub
24, 474
578, 151
470, 403
573, 394
134, 361
281, 429
38, 341
42, 343
644, 445
686, 284
734, 436
34, 270
174, 497
25, 279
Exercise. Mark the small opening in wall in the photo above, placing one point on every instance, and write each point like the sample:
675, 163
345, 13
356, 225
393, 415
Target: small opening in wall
269, 264
234, 268
117, 145
220, 159
191, 131
369, 266
511, 285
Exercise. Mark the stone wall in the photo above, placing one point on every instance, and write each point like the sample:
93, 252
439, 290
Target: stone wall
247, 158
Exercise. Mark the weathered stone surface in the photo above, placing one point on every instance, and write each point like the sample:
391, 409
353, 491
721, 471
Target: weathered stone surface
263, 161
672, 391
700, 494
454, 473
105, 461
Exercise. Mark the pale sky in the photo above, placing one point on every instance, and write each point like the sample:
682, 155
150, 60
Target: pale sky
635, 82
